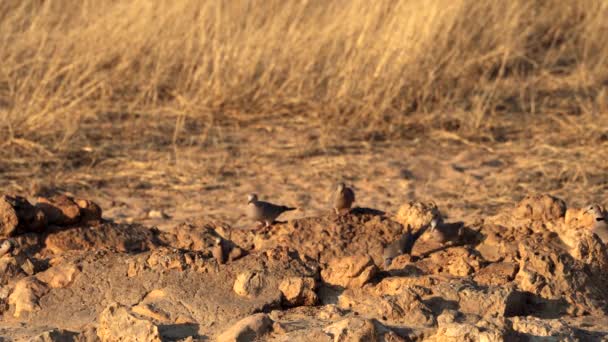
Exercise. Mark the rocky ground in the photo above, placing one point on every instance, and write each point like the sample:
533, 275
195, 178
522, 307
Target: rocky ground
533, 272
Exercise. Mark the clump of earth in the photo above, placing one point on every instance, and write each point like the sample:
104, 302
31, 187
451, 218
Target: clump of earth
535, 272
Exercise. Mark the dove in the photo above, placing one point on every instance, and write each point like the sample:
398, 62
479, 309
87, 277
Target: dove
600, 226
398, 247
343, 198
444, 233
217, 251
264, 212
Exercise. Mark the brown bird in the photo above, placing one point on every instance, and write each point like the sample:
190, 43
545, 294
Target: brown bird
264, 212
344, 198
217, 251
398, 247
600, 226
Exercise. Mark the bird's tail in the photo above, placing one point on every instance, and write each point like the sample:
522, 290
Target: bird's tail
289, 208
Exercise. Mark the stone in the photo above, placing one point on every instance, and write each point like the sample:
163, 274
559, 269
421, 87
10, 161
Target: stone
299, 291
58, 276
482, 331
26, 294
496, 274
55, 335
59, 209
249, 283
402, 307
247, 329
108, 236
417, 214
540, 207
352, 329
555, 329
117, 323
90, 212
17, 215
349, 272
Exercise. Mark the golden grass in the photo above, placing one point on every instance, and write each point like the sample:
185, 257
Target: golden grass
357, 63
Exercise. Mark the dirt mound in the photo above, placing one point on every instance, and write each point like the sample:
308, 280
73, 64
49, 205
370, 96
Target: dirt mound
509, 276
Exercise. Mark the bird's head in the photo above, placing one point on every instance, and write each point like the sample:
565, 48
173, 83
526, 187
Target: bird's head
596, 212
341, 186
252, 198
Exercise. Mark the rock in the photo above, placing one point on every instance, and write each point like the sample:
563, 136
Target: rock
247, 329
352, 329
349, 272
90, 212
483, 331
17, 215
10, 270
25, 295
542, 329
498, 244
496, 274
299, 291
249, 283
402, 307
328, 237
108, 236
491, 301
59, 209
540, 207
8, 217
117, 323
417, 214
55, 335
58, 276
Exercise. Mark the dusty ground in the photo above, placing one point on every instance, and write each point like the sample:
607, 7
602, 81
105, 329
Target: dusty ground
132, 166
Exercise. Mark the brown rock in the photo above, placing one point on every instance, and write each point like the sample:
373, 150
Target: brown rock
403, 307
543, 328
496, 274
417, 214
491, 301
17, 215
90, 212
299, 290
54, 335
540, 207
352, 329
483, 330
8, 217
349, 272
249, 283
59, 209
58, 276
117, 323
25, 295
109, 236
247, 329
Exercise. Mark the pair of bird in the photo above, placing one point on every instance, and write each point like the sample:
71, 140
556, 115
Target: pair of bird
266, 213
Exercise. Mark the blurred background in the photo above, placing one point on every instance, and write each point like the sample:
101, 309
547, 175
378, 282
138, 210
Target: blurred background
166, 110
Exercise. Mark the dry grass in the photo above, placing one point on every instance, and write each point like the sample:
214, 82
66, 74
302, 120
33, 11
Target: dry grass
358, 63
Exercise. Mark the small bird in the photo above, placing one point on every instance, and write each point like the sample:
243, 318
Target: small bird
444, 233
398, 247
600, 226
343, 198
217, 251
264, 212
5, 247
